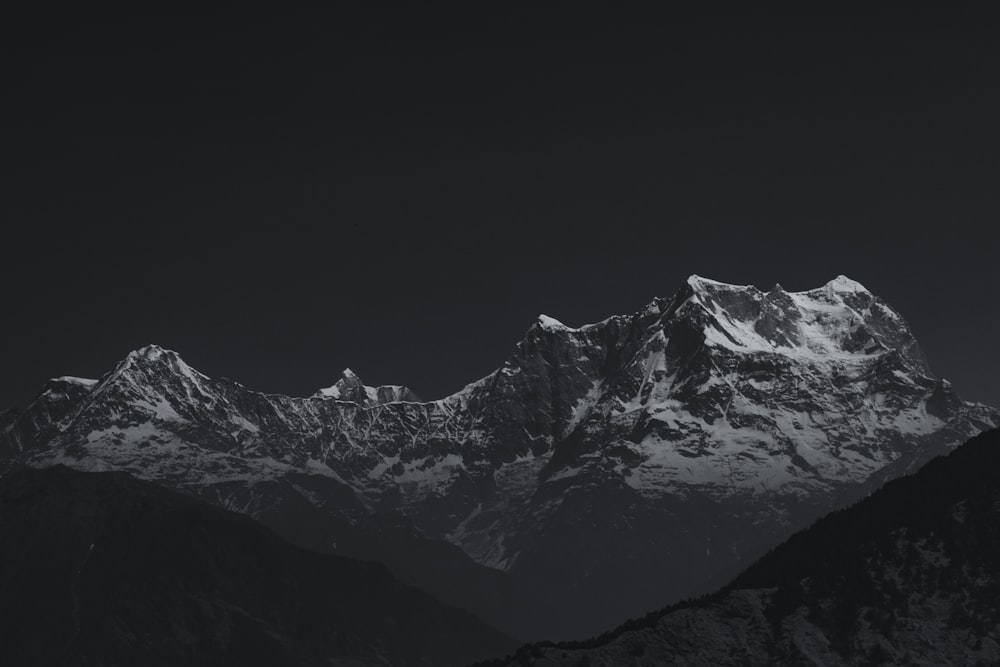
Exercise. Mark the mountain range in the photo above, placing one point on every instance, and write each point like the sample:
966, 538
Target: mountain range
599, 472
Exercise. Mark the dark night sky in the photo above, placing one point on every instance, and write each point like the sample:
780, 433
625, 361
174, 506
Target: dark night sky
402, 191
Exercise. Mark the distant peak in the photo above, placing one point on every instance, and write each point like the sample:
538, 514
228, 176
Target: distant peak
350, 388
150, 352
348, 380
696, 281
844, 284
700, 283
840, 284
550, 323
69, 379
348, 383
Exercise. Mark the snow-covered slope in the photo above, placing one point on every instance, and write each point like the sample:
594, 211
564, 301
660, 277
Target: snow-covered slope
650, 455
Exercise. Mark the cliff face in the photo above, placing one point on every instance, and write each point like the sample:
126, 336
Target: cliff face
599, 472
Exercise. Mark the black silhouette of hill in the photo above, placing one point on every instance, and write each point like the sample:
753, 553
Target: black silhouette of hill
104, 569
909, 575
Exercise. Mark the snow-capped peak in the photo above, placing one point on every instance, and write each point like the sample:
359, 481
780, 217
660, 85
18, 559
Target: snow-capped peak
550, 323
844, 284
349, 378
154, 361
155, 356
839, 284
699, 284
840, 321
150, 352
343, 387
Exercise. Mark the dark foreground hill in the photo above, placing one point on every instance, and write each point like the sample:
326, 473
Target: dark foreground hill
910, 575
103, 569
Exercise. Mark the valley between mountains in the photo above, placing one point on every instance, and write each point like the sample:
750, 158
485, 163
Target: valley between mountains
600, 472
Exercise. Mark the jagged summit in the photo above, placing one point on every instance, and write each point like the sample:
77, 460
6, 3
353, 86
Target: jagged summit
347, 383
153, 359
351, 388
839, 322
707, 290
348, 378
151, 352
840, 284
844, 284
153, 364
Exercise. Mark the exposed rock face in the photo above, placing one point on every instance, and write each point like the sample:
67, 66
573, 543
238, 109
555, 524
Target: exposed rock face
40, 421
606, 469
350, 388
908, 576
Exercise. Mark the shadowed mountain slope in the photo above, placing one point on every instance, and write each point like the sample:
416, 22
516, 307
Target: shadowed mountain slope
104, 569
910, 575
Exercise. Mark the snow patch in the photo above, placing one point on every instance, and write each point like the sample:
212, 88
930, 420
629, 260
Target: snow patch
551, 323
85, 382
583, 406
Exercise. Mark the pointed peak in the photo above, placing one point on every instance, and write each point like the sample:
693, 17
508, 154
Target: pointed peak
153, 357
700, 284
550, 323
151, 352
844, 284
348, 384
348, 378
150, 369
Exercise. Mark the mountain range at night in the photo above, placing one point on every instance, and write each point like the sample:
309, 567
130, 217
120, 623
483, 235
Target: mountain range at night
601, 471
275, 388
